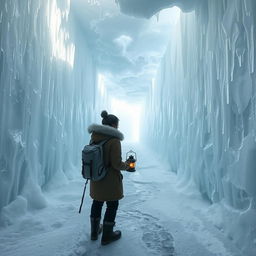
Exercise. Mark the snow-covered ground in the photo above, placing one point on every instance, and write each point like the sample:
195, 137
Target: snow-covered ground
156, 218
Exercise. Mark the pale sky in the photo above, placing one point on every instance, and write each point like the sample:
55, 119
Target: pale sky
128, 49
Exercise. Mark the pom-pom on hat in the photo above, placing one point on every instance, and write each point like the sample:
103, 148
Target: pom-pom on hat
109, 119
104, 114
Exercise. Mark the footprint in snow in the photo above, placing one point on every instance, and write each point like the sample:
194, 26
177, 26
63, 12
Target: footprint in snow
57, 224
154, 236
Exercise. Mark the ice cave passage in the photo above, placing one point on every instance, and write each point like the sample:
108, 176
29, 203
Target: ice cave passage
180, 76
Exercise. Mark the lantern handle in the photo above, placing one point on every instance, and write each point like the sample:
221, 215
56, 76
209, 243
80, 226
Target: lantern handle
131, 151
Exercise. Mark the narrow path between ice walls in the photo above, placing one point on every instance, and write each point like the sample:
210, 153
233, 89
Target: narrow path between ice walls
156, 218
200, 119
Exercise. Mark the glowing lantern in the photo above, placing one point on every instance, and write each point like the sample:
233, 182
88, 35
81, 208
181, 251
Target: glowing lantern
131, 160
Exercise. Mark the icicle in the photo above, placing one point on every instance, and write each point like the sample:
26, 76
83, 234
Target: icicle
157, 16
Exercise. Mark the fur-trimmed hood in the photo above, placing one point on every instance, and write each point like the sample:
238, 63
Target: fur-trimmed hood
106, 130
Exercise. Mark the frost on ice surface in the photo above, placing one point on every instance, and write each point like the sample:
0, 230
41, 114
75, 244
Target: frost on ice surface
147, 8
203, 104
242, 172
47, 79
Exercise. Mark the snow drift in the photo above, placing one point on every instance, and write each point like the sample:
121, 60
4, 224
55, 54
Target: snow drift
47, 79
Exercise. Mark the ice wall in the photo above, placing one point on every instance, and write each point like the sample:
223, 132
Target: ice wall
47, 93
202, 111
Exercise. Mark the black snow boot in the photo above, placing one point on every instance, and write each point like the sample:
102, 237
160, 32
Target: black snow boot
96, 228
109, 235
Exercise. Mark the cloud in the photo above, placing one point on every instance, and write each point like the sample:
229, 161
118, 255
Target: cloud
127, 50
123, 41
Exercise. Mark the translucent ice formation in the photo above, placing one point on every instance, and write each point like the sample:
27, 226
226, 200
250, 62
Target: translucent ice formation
147, 8
47, 88
201, 114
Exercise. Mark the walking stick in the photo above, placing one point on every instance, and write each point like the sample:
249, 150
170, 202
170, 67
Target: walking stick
82, 200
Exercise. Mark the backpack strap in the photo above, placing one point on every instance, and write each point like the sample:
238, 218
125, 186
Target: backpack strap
102, 143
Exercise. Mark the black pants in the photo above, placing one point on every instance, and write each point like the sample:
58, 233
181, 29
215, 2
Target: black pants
110, 213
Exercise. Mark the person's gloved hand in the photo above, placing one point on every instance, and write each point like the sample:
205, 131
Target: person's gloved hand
127, 163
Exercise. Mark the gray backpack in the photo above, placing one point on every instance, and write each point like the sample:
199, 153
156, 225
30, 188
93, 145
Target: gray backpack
93, 167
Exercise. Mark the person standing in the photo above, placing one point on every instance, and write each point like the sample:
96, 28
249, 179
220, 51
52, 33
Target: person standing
110, 188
